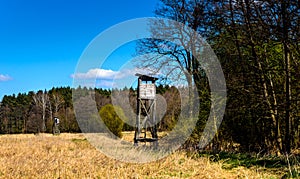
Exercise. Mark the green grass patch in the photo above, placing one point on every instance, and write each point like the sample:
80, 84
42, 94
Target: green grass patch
286, 167
78, 140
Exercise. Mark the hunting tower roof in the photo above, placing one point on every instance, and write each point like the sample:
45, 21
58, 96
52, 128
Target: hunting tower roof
146, 77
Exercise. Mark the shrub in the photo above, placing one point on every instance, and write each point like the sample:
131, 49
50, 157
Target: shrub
113, 117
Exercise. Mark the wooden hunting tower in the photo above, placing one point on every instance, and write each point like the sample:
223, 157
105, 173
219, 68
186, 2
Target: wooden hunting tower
146, 110
55, 128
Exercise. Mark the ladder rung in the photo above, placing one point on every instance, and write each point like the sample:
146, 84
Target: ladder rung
146, 139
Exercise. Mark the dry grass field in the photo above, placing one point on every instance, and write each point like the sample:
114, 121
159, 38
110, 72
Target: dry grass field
72, 156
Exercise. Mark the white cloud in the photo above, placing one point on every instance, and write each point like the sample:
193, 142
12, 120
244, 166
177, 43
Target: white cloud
108, 78
103, 74
5, 77
96, 74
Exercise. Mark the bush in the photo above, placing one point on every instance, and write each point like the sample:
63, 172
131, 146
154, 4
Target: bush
113, 117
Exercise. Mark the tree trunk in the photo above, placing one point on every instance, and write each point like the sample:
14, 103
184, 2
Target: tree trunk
276, 130
286, 56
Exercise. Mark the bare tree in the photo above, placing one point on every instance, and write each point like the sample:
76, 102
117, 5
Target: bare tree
57, 102
178, 61
41, 100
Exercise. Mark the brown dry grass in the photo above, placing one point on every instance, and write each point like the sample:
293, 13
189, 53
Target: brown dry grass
71, 156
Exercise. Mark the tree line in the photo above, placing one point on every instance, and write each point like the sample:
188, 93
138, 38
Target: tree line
34, 112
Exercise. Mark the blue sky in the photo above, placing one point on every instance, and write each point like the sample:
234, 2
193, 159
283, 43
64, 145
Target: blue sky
41, 41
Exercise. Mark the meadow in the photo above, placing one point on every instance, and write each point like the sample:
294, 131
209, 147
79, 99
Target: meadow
72, 156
